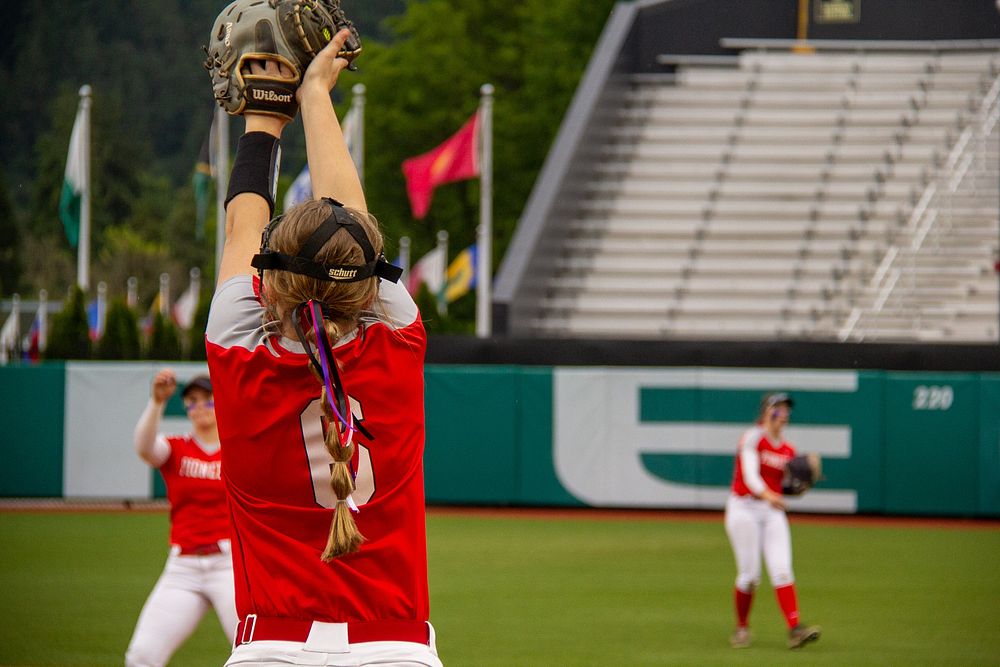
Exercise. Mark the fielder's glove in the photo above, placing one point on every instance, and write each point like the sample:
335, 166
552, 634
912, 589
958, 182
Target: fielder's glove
801, 472
288, 32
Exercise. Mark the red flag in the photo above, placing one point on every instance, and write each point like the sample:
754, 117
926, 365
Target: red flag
454, 160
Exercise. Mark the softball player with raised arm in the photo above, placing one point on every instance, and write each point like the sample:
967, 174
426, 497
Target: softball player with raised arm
756, 522
319, 394
199, 571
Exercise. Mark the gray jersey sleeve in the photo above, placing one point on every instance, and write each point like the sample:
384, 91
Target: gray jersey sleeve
236, 317
397, 307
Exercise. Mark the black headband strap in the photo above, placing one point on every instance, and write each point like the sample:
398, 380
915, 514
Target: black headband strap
339, 218
344, 273
304, 262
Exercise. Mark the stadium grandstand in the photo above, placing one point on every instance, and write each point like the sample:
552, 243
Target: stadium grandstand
827, 172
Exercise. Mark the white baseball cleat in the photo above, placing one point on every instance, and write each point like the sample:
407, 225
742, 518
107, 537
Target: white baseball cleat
740, 638
801, 635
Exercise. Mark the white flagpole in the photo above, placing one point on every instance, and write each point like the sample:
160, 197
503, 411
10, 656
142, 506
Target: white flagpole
132, 292
442, 303
83, 248
9, 353
484, 237
43, 320
221, 182
358, 140
404, 258
165, 294
195, 277
102, 307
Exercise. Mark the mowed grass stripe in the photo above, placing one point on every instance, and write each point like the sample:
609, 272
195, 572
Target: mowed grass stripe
510, 591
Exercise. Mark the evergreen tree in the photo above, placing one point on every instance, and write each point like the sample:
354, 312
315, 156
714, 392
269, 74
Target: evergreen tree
121, 334
69, 336
164, 339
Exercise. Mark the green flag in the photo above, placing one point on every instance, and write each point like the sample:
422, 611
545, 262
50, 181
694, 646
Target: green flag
74, 181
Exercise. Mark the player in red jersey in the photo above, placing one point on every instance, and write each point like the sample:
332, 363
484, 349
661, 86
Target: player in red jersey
756, 521
199, 570
319, 395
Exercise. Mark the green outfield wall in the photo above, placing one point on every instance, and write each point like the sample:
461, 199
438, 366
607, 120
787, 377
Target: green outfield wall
892, 442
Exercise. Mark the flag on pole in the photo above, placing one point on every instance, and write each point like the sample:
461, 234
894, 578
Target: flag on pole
461, 274
74, 180
37, 338
454, 160
32, 343
146, 323
428, 270
204, 175
9, 333
95, 319
183, 309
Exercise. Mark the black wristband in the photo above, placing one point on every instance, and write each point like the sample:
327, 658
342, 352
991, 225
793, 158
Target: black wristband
255, 169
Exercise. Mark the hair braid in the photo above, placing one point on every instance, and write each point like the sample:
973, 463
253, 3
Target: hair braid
284, 291
344, 535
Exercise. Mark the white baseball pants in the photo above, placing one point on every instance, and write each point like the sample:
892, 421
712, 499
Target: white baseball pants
383, 654
754, 526
187, 588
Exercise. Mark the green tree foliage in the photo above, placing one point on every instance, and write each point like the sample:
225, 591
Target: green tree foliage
121, 333
119, 189
368, 15
423, 65
127, 253
69, 337
425, 84
164, 339
196, 335
10, 243
144, 56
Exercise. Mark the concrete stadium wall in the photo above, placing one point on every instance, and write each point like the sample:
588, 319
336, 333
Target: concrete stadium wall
893, 442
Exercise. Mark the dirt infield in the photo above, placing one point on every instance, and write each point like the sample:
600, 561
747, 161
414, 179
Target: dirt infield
601, 514
539, 513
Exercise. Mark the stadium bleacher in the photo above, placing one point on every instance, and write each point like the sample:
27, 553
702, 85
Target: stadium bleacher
831, 195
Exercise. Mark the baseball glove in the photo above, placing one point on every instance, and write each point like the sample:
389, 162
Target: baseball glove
287, 32
801, 472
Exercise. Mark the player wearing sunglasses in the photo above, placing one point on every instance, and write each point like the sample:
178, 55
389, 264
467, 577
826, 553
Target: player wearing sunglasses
199, 569
757, 525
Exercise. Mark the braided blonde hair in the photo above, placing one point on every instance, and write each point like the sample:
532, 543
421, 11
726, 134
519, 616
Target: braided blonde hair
345, 302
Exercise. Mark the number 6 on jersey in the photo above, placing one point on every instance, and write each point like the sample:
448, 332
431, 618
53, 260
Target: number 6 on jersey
320, 460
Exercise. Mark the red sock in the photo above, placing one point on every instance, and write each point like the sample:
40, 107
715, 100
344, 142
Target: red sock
789, 605
743, 602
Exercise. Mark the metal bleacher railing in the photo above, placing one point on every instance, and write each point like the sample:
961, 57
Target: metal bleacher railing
969, 171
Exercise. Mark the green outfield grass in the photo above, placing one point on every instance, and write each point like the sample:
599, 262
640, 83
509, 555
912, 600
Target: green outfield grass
509, 591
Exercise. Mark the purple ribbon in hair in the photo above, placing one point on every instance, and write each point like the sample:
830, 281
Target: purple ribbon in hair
317, 318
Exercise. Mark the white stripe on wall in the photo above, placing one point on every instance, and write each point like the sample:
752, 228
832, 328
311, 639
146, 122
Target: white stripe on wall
103, 403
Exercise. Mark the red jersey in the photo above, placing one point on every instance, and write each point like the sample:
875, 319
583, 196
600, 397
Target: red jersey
277, 468
198, 514
766, 461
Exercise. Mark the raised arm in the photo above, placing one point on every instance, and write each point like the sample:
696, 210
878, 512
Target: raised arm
251, 186
331, 168
148, 446
248, 211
